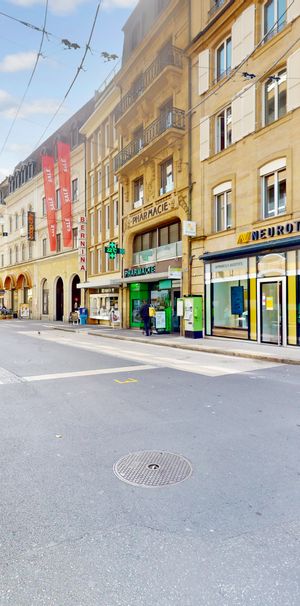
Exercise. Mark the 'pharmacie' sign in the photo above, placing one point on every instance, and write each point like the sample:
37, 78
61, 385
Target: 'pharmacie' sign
269, 232
134, 272
153, 211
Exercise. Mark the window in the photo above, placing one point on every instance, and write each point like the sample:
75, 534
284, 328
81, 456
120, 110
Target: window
99, 219
99, 180
138, 137
275, 96
44, 247
223, 59
58, 199
23, 252
58, 242
107, 179
116, 212
44, 207
92, 261
45, 298
16, 221
168, 234
74, 190
17, 254
274, 193
92, 190
166, 176
92, 226
107, 217
23, 217
75, 237
106, 262
274, 17
99, 260
10, 224
224, 129
2, 260
223, 211
99, 143
74, 136
138, 192
107, 136
116, 181
30, 250
10, 256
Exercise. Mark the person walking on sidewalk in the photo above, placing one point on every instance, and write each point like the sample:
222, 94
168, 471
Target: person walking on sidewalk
146, 317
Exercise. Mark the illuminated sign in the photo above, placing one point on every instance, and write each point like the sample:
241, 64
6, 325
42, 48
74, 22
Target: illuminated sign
31, 226
139, 271
266, 233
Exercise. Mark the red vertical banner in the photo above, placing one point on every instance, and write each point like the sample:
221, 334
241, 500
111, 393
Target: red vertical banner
64, 172
49, 186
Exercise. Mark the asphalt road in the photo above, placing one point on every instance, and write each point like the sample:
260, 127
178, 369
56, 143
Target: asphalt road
73, 534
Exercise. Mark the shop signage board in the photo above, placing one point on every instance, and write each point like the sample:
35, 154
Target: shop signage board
134, 272
174, 273
285, 229
189, 228
31, 226
160, 320
153, 211
82, 238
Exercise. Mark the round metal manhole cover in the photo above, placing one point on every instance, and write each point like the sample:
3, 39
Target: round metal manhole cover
152, 468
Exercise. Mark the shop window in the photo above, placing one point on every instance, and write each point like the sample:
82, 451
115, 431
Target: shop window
223, 210
163, 236
230, 307
274, 17
138, 192
58, 242
45, 298
223, 59
166, 176
174, 233
74, 190
168, 234
274, 193
275, 97
224, 129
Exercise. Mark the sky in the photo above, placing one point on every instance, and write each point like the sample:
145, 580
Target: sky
57, 66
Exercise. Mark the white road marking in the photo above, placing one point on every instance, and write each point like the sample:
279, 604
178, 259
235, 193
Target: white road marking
7, 377
85, 373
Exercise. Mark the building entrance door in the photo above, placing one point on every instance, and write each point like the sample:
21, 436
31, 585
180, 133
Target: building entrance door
272, 306
59, 300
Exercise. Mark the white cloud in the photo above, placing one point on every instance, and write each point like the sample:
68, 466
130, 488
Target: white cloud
109, 4
4, 172
9, 104
60, 7
18, 62
6, 100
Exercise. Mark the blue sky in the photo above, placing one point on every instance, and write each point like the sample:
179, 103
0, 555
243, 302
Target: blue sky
70, 19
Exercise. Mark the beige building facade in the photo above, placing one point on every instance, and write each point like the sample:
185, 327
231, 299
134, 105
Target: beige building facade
35, 282
246, 153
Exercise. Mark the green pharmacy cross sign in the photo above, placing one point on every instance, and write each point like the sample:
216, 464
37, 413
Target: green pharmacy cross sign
112, 250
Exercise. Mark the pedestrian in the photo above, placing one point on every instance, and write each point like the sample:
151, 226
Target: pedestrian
146, 317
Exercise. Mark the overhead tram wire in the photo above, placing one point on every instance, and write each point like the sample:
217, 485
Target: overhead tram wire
39, 54
87, 48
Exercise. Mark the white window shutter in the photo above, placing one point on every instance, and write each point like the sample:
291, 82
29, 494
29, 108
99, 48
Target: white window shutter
203, 69
249, 99
237, 119
204, 138
293, 81
243, 36
243, 114
293, 10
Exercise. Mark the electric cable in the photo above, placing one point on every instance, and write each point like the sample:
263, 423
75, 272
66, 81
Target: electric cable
39, 55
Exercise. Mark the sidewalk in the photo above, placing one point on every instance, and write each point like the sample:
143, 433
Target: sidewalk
225, 347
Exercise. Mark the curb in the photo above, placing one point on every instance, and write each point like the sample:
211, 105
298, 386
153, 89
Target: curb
212, 350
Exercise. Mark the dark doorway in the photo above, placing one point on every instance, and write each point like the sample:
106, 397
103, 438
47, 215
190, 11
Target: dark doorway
75, 293
59, 300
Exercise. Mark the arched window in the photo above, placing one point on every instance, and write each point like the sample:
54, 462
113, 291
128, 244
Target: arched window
23, 252
17, 254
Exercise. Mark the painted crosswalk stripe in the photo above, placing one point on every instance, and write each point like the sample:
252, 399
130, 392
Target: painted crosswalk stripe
7, 377
86, 373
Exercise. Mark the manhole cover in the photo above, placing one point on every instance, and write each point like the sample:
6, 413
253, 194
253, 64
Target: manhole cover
152, 468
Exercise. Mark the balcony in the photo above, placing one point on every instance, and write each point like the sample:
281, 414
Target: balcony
170, 56
215, 6
174, 120
161, 253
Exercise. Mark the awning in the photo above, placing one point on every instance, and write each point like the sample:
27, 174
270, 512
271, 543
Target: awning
148, 278
100, 283
252, 249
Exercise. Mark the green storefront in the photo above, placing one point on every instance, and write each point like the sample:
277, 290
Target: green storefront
162, 296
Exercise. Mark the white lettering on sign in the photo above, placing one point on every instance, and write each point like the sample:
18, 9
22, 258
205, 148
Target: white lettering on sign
82, 256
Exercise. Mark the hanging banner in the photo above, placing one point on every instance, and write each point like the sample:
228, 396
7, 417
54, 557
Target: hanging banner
31, 226
64, 172
49, 186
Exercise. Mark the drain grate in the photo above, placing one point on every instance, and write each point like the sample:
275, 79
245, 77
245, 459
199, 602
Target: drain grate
152, 468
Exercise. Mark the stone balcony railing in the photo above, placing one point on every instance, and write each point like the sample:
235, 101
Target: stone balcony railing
172, 119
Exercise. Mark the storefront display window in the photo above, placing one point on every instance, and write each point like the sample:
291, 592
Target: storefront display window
230, 306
